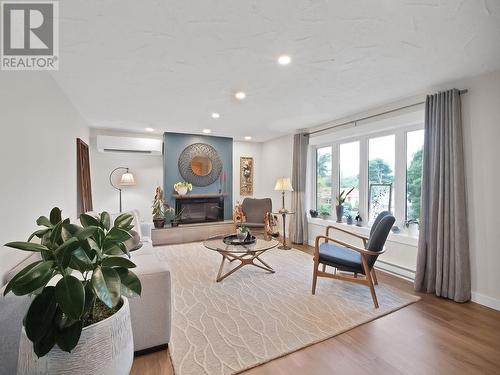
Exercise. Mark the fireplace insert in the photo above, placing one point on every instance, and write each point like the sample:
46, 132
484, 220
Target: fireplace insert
199, 210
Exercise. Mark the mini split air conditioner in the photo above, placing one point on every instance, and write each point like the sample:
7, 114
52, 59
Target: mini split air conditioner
147, 146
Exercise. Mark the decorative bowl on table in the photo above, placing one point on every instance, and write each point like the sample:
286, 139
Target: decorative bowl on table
233, 239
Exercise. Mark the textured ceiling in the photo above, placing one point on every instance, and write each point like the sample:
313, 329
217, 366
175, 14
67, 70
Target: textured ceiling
169, 64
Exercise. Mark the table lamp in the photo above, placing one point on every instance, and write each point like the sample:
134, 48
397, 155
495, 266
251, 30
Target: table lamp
283, 184
127, 179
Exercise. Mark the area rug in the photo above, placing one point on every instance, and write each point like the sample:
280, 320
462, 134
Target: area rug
254, 316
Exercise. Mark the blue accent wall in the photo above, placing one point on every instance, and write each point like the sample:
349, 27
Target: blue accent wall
175, 143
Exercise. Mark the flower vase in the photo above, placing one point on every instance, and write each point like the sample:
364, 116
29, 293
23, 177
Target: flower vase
182, 190
340, 212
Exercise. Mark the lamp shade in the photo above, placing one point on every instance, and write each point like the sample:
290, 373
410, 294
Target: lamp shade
283, 184
127, 179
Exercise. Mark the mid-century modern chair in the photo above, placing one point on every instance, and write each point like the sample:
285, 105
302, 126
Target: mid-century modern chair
350, 258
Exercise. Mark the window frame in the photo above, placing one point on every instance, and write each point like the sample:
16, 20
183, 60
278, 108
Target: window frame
405, 212
315, 189
400, 171
338, 190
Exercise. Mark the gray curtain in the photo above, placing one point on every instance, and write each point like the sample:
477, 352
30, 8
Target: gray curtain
298, 222
443, 247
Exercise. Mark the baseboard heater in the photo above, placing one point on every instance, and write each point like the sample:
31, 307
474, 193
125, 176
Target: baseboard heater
396, 270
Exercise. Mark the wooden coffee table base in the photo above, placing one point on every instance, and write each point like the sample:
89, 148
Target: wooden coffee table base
245, 259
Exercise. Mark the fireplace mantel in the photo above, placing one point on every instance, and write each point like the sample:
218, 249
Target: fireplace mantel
190, 196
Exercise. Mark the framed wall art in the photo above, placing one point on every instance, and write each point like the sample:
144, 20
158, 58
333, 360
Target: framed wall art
246, 176
83, 170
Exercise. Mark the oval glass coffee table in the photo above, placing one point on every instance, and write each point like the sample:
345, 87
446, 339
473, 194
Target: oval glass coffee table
245, 254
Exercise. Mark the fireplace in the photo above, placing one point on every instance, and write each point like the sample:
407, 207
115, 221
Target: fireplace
199, 209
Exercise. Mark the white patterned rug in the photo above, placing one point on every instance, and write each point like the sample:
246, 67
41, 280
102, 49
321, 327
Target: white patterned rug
253, 316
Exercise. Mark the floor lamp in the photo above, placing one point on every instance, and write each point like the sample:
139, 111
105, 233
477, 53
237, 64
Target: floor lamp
283, 184
127, 179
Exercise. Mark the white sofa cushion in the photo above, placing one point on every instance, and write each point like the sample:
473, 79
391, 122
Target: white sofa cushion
12, 310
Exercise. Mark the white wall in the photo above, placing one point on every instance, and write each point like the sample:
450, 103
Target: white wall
272, 159
39, 127
277, 162
147, 171
277, 159
481, 119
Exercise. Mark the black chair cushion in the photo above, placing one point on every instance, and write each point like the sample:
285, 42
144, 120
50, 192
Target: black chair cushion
377, 239
379, 217
340, 257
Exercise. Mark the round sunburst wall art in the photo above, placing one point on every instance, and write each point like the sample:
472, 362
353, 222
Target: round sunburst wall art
188, 169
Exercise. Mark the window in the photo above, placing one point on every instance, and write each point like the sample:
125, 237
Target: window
384, 168
324, 179
381, 167
414, 152
349, 175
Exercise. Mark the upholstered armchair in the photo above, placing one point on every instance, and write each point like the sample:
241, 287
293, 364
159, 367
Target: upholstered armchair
348, 258
255, 212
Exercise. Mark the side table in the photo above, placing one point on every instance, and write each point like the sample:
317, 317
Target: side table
284, 214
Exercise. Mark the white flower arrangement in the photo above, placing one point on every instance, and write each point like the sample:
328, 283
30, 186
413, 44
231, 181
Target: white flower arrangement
182, 184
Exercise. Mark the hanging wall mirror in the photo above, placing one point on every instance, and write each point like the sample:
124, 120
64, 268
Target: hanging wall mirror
200, 164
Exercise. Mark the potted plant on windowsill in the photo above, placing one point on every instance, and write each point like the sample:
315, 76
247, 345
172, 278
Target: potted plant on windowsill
339, 208
79, 305
324, 214
348, 218
183, 187
411, 226
158, 207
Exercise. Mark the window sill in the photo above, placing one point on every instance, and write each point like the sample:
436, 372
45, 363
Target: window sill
402, 238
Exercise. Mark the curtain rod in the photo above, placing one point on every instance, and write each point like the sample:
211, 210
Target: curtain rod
375, 115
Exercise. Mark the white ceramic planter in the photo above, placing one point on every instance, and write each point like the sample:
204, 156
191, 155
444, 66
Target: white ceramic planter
105, 348
182, 191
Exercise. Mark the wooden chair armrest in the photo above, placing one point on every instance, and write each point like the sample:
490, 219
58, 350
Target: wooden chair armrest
347, 245
361, 236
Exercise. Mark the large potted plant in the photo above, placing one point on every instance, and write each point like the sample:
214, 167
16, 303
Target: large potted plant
78, 320
340, 204
158, 209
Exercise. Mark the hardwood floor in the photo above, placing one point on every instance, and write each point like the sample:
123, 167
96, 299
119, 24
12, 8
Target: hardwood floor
432, 336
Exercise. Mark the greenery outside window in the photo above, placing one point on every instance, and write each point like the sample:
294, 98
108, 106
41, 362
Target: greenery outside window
414, 153
349, 175
324, 179
381, 166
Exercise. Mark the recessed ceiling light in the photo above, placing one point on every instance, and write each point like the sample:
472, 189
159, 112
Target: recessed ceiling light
248, 138
215, 115
240, 95
207, 131
284, 60
149, 129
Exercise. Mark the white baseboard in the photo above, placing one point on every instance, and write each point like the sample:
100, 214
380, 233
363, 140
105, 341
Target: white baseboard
493, 303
